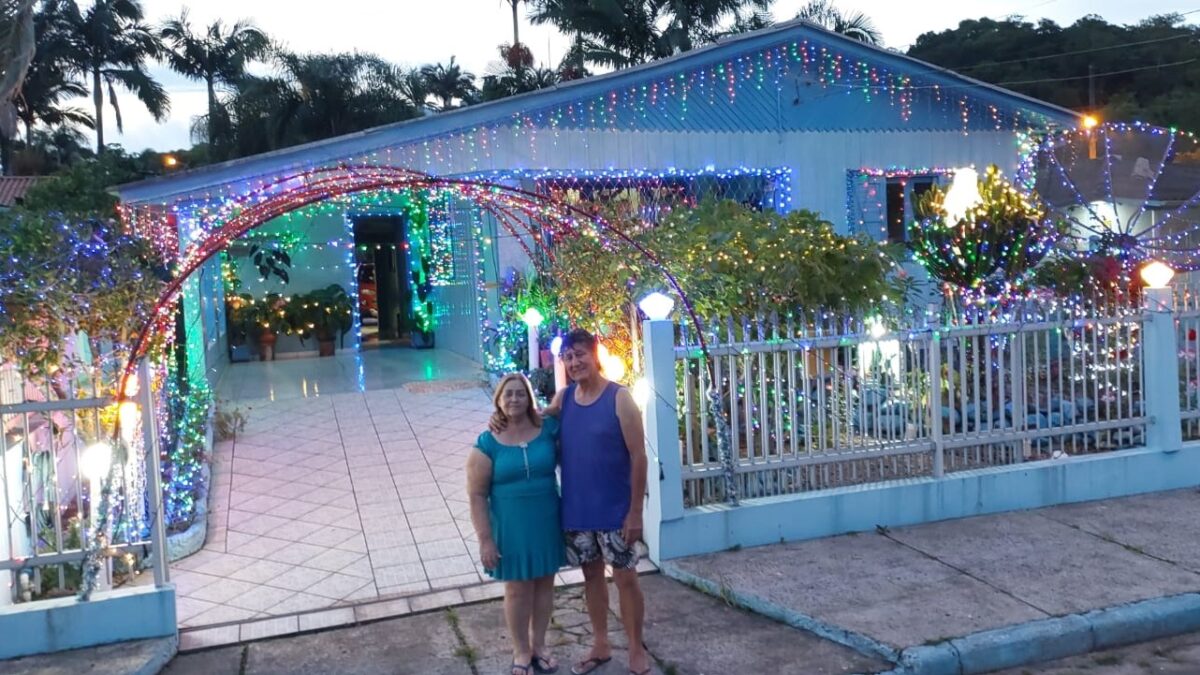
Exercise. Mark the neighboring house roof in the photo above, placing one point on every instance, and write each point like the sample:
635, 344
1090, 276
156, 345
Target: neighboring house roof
13, 188
814, 102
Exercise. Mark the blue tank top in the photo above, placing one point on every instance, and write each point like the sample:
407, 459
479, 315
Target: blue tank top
595, 463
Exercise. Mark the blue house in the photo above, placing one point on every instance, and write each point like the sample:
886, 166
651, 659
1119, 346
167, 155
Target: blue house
789, 117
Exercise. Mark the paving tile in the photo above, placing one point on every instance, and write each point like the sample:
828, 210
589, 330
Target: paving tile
420, 519
186, 583
484, 591
397, 575
329, 618
186, 608
222, 590
394, 555
338, 586
298, 578
222, 614
260, 571
257, 630
382, 610
448, 598
364, 594
226, 565
261, 598
430, 533
329, 535
296, 553
208, 637
261, 547
445, 548
300, 602
456, 581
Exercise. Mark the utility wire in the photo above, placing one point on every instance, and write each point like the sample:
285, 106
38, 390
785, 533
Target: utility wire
1181, 36
1111, 72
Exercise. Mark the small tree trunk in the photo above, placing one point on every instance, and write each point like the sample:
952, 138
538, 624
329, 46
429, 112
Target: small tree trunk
212, 111
516, 34
98, 100
6, 154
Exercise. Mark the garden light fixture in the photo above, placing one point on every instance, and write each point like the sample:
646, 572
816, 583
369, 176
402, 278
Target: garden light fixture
1157, 274
657, 306
532, 317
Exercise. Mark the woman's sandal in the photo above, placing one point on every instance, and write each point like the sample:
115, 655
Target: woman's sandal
523, 668
542, 665
585, 667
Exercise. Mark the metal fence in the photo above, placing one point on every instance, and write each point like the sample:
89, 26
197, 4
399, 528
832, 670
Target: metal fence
815, 402
56, 460
1187, 314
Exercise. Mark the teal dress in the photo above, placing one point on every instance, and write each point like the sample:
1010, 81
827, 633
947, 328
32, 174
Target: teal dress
523, 505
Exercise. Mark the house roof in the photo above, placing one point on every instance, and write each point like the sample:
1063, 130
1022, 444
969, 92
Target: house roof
562, 106
13, 188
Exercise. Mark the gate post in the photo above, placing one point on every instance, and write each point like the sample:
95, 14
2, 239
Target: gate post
1160, 371
663, 480
158, 530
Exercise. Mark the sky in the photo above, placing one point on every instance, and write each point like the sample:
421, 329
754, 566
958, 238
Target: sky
414, 32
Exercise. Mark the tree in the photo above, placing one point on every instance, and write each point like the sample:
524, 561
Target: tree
621, 33
16, 51
217, 56
516, 21
450, 83
854, 25
1148, 71
110, 45
48, 82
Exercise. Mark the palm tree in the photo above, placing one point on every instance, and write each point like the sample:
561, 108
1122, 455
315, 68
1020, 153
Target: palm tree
414, 87
621, 33
48, 82
217, 56
516, 22
449, 82
110, 46
855, 25
17, 40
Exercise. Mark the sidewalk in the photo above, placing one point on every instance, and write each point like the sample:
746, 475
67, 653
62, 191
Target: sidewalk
688, 632
915, 593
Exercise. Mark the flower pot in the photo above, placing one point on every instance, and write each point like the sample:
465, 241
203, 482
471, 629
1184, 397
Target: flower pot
266, 346
326, 347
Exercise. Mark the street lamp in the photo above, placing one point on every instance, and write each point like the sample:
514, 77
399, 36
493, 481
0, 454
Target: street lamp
1157, 274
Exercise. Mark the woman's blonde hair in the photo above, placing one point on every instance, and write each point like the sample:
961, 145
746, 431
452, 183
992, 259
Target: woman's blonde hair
531, 411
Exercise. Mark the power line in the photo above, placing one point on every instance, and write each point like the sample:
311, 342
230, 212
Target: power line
977, 66
1111, 72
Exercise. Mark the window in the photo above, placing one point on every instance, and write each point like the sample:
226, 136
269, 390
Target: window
903, 194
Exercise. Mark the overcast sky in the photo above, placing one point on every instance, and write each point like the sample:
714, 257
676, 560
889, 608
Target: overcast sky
413, 32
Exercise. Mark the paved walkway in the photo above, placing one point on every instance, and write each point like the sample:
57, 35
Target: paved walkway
688, 633
889, 590
346, 486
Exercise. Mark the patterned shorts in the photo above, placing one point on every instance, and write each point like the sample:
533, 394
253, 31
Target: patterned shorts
585, 546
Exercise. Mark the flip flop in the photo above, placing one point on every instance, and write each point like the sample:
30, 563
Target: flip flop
589, 665
542, 665
644, 672
517, 666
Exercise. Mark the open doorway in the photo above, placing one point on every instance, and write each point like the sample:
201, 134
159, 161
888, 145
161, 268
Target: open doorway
382, 269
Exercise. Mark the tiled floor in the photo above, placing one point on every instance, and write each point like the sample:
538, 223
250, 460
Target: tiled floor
346, 486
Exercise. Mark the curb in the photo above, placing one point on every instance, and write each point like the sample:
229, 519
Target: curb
995, 649
164, 652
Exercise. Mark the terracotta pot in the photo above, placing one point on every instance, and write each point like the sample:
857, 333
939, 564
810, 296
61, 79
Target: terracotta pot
266, 346
326, 347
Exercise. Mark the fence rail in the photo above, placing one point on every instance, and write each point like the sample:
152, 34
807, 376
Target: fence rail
814, 405
54, 463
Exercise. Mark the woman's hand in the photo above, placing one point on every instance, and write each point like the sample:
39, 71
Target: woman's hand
489, 555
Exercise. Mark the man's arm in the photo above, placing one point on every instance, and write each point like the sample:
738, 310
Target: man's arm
497, 423
630, 418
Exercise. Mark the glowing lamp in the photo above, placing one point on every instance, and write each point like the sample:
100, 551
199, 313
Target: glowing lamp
170, 161
96, 461
876, 328
962, 195
641, 392
1090, 122
1157, 274
657, 306
613, 366
532, 317
556, 345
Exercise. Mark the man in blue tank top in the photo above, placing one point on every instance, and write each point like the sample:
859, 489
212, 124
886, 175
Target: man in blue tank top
603, 466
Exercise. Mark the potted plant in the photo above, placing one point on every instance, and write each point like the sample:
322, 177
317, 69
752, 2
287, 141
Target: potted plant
271, 319
326, 314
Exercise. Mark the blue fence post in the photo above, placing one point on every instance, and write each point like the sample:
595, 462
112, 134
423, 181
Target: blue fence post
664, 481
1160, 371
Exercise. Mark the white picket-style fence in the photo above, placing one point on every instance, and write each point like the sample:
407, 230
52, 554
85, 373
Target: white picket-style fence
815, 402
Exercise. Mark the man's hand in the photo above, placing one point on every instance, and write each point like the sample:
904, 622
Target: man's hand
489, 555
632, 531
498, 423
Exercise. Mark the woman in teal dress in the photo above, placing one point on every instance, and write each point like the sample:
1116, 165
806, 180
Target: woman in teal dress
514, 507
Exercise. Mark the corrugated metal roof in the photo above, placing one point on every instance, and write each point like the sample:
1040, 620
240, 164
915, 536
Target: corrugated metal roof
13, 188
777, 79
